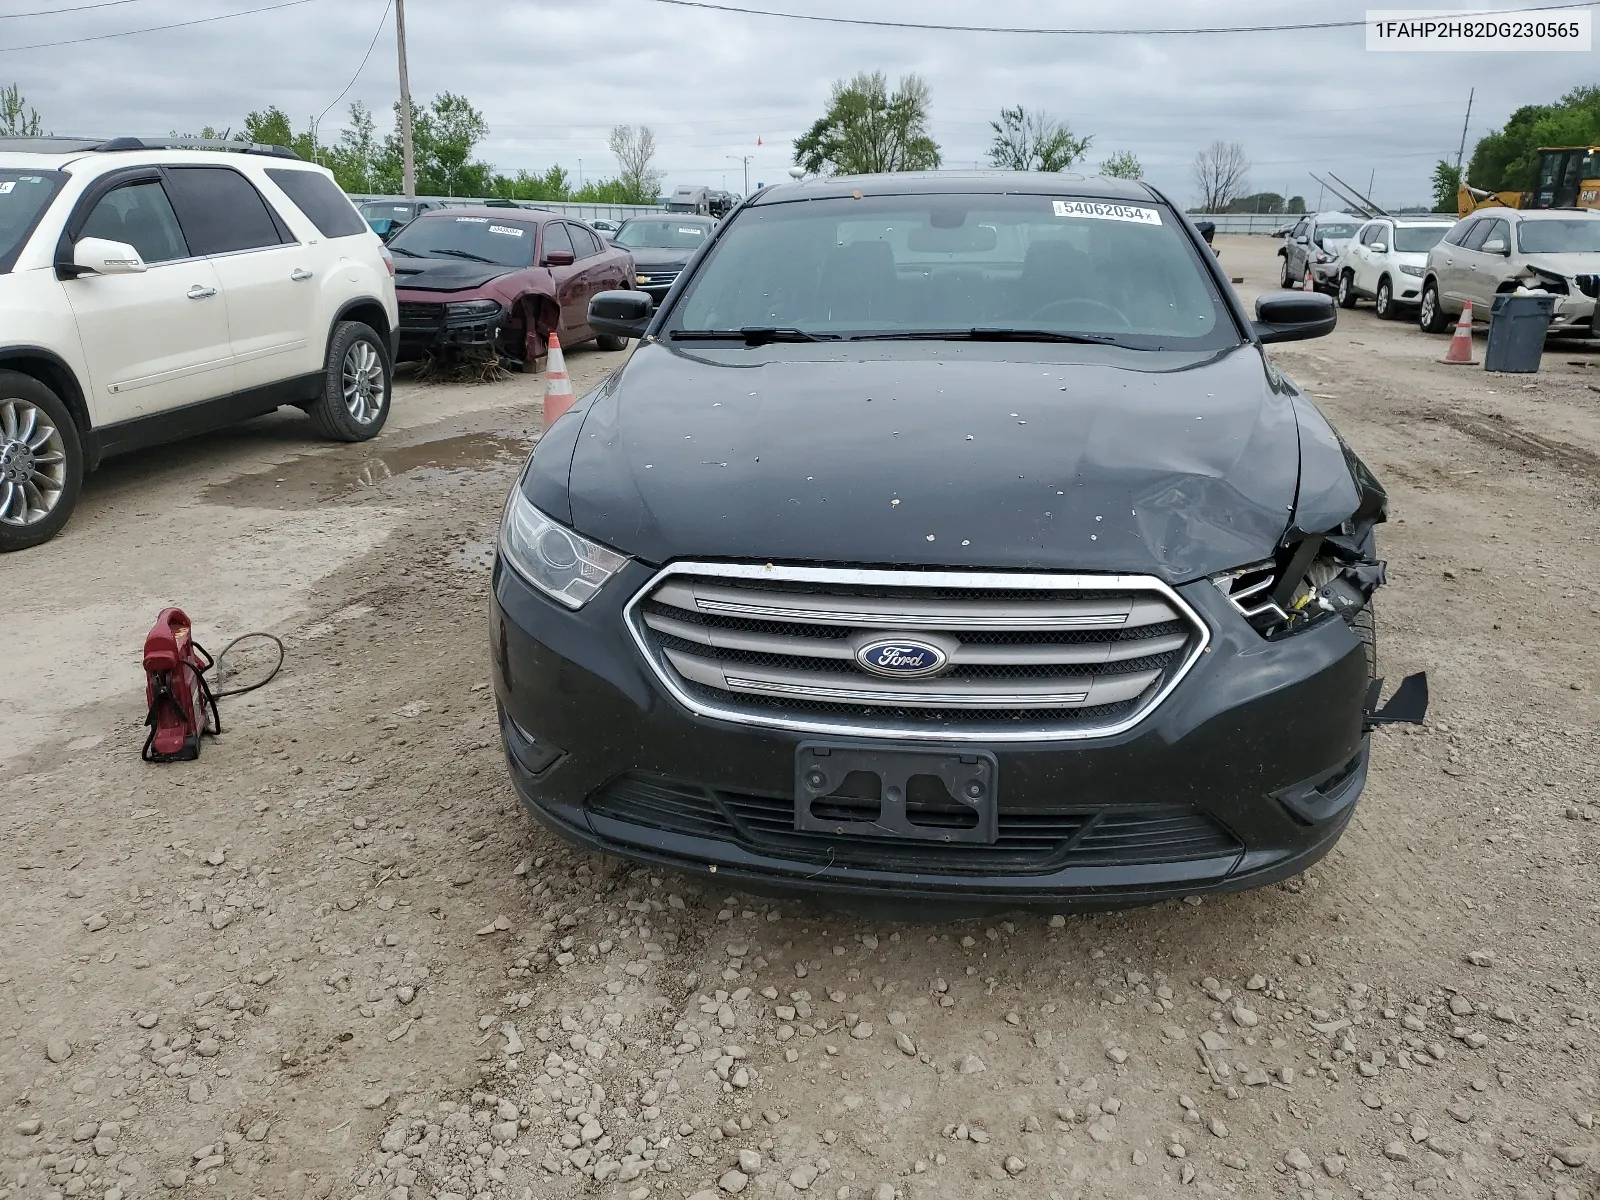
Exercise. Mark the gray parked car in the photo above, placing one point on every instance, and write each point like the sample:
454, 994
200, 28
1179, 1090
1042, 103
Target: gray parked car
1554, 250
1316, 243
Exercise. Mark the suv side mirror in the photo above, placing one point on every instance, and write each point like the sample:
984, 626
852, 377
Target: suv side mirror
1380, 248
559, 258
1496, 246
101, 257
1294, 316
1208, 230
621, 314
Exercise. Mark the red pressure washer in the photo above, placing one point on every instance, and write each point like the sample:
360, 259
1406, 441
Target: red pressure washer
182, 704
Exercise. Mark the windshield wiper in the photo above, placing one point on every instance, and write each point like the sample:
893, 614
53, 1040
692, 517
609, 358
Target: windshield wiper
984, 334
403, 250
753, 335
467, 254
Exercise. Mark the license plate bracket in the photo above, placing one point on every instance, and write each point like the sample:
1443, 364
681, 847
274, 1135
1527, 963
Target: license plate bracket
925, 795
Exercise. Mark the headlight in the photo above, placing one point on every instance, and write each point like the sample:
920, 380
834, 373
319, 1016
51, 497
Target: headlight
565, 566
1321, 257
1330, 585
475, 310
1408, 269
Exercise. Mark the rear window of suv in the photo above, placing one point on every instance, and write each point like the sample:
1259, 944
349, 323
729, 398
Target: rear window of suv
24, 195
324, 205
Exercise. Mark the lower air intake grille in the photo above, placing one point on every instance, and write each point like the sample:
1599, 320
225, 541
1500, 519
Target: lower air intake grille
921, 654
1030, 841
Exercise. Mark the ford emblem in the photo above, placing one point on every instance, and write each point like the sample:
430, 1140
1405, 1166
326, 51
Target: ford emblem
902, 658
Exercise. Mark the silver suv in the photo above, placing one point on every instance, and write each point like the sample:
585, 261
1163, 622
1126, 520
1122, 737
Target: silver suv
1494, 250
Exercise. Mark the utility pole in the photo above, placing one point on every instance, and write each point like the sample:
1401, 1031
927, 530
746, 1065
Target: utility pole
408, 162
744, 161
1462, 149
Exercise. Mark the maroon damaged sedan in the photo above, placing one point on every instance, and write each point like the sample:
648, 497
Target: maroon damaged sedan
501, 278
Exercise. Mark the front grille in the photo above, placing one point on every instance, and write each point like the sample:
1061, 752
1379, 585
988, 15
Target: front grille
1029, 840
1033, 656
415, 315
658, 278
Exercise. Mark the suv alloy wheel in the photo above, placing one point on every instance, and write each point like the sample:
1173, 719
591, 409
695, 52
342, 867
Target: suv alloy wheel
355, 395
41, 462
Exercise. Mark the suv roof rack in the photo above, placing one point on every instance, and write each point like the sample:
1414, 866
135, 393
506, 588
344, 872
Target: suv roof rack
134, 143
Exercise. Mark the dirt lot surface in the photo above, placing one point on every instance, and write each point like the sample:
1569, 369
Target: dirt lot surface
334, 958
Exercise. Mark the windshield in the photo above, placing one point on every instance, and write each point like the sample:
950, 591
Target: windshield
23, 198
1575, 236
946, 265
1335, 232
393, 212
666, 235
1418, 239
476, 239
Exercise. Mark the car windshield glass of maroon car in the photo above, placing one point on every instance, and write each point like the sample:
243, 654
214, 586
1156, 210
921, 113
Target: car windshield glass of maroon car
475, 239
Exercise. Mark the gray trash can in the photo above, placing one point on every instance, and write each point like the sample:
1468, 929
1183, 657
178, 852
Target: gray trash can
1518, 322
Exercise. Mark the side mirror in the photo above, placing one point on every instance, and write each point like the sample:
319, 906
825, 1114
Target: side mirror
1496, 246
1294, 316
1303, 240
1208, 230
559, 258
101, 257
1380, 248
621, 314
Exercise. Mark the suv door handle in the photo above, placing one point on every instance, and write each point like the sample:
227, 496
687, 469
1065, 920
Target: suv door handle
201, 292
299, 274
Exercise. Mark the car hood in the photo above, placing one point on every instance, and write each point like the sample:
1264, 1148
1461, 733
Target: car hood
658, 257
1335, 245
444, 274
1080, 458
1565, 264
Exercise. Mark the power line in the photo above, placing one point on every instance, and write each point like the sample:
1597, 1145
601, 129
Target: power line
930, 26
50, 12
101, 37
375, 34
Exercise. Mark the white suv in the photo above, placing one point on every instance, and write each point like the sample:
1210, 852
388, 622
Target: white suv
152, 290
1386, 260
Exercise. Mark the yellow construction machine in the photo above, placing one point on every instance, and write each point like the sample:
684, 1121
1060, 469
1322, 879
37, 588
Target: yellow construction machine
1569, 177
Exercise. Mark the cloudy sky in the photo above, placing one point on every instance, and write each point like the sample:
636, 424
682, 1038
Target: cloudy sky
552, 77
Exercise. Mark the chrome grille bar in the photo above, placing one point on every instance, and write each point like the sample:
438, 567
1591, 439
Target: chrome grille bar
1026, 657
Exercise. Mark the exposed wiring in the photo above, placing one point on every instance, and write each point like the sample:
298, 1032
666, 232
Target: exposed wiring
225, 672
370, 45
101, 37
931, 26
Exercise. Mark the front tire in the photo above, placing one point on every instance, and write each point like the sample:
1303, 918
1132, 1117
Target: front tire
41, 462
607, 341
1284, 281
1347, 290
1384, 304
357, 385
1430, 313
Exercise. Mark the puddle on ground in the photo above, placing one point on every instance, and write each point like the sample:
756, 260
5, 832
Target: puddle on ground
355, 471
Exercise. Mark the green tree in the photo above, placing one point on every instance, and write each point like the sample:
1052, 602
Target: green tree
1035, 141
209, 133
1297, 206
1446, 184
18, 118
269, 127
1507, 159
354, 158
554, 184
635, 148
867, 129
456, 128
1123, 164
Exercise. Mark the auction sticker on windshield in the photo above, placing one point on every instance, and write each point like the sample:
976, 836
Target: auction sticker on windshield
8, 185
1106, 212
508, 230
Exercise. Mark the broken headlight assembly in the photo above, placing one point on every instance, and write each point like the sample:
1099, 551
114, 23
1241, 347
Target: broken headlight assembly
1305, 583
1536, 279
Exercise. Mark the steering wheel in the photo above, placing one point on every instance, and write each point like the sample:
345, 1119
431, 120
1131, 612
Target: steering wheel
1051, 310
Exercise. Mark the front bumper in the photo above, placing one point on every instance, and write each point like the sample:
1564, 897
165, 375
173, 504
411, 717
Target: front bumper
427, 329
1248, 772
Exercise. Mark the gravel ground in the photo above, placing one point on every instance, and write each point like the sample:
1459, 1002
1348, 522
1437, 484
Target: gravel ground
333, 958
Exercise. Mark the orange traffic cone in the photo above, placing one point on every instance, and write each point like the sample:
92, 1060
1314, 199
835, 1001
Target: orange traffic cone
1460, 351
558, 395
1310, 283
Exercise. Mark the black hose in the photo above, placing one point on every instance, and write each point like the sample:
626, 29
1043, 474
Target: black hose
223, 672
